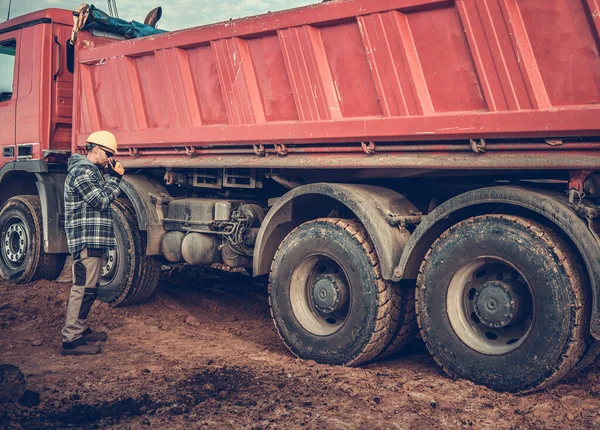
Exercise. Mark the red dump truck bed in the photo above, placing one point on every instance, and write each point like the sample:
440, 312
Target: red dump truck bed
400, 76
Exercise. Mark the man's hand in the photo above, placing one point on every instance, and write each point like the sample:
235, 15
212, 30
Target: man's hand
115, 169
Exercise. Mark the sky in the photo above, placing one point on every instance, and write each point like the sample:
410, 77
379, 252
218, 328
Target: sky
177, 14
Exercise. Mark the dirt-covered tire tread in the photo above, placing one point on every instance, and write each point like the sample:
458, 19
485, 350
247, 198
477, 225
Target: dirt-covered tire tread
574, 350
386, 313
144, 275
50, 266
405, 326
149, 269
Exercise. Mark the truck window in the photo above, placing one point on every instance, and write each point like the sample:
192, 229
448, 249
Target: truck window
7, 68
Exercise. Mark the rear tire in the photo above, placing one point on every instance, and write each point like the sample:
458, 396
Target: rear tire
502, 301
22, 256
328, 300
405, 327
130, 276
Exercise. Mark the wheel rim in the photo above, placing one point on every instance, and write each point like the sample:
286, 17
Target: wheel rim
490, 306
109, 270
320, 295
15, 243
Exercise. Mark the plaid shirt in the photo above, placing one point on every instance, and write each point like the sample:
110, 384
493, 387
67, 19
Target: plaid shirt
88, 195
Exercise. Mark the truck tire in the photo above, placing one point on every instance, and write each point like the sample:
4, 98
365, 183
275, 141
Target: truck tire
328, 300
130, 276
405, 326
502, 301
22, 256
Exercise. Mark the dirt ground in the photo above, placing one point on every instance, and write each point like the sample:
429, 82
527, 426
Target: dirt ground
204, 354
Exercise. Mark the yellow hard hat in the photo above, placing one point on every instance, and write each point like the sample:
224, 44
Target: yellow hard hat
104, 139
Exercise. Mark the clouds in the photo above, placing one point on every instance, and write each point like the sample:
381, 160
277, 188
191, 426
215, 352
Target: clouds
189, 13
177, 14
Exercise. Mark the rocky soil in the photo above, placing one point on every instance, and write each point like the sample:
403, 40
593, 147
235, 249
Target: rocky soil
204, 354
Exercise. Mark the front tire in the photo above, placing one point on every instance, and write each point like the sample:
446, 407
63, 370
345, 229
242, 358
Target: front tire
22, 256
328, 300
502, 301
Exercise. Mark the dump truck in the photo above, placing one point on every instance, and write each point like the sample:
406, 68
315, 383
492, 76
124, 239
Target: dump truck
396, 167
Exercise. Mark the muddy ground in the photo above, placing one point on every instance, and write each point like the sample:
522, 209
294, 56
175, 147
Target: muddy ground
204, 354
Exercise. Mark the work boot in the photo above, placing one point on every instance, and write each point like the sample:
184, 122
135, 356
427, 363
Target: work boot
94, 336
80, 347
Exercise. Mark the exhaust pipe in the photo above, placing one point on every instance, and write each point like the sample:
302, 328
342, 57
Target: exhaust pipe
153, 17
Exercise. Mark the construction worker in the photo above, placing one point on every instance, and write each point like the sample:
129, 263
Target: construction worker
89, 228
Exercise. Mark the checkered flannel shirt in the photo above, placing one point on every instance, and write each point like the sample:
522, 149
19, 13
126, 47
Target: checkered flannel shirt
88, 218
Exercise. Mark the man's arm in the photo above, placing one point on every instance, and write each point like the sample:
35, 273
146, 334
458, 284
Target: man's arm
97, 194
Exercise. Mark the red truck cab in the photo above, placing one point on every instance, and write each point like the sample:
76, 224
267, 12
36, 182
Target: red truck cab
36, 100
36, 87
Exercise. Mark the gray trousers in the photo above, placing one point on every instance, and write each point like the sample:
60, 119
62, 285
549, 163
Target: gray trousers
87, 271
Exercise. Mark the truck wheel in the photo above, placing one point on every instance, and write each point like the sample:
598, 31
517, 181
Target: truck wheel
129, 276
502, 301
405, 327
22, 256
328, 300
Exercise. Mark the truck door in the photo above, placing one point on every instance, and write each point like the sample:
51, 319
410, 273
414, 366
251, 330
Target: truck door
8, 95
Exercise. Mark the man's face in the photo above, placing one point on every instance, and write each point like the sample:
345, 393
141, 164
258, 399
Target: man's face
102, 156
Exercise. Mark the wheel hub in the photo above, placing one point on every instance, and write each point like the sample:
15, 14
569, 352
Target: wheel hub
502, 303
329, 293
15, 242
109, 267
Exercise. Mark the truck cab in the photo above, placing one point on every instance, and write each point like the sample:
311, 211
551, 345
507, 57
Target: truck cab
36, 87
36, 99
